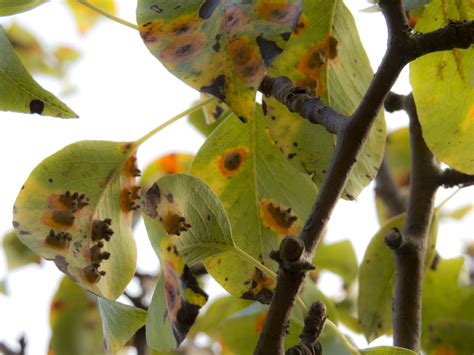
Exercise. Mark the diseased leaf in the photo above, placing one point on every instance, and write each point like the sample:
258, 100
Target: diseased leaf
86, 18
222, 48
339, 258
75, 322
377, 278
19, 92
17, 253
448, 309
443, 89
12, 7
387, 350
199, 119
76, 208
120, 322
239, 162
325, 56
179, 210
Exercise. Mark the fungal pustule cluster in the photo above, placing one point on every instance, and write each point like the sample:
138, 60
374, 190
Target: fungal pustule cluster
63, 215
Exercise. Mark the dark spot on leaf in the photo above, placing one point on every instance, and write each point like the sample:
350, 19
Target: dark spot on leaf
74, 201
282, 217
16, 224
207, 8
332, 48
101, 229
65, 218
217, 88
232, 161
50, 181
218, 112
62, 265
242, 119
97, 255
268, 49
151, 200
264, 107
92, 273
36, 106
60, 240
291, 155
156, 8
23, 232
175, 224
285, 36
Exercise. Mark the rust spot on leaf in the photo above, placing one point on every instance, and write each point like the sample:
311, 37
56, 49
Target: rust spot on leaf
232, 161
129, 198
183, 48
59, 240
92, 273
301, 26
247, 61
131, 168
260, 288
278, 218
234, 19
101, 229
280, 13
169, 164
175, 224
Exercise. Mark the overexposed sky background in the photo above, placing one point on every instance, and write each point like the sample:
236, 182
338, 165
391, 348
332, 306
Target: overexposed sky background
124, 92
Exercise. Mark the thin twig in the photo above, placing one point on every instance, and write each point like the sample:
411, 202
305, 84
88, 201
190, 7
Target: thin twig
297, 100
451, 178
388, 191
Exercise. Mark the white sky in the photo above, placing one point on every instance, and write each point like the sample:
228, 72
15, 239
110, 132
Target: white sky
123, 93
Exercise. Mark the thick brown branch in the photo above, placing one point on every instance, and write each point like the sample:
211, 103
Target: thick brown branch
451, 178
410, 255
401, 49
297, 100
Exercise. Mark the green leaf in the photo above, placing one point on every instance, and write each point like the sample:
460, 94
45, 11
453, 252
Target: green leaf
209, 117
17, 253
387, 350
12, 7
339, 258
251, 178
85, 17
443, 88
19, 92
459, 213
120, 322
377, 278
398, 162
75, 322
222, 48
448, 309
325, 56
76, 208
3, 287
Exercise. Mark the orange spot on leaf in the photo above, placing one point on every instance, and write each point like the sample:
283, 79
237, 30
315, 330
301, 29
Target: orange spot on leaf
278, 218
232, 161
169, 164
277, 12
247, 61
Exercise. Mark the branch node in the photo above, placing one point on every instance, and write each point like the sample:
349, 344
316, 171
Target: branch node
394, 239
313, 326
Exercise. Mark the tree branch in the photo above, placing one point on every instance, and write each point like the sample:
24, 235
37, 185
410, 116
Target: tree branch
410, 253
403, 47
451, 178
297, 100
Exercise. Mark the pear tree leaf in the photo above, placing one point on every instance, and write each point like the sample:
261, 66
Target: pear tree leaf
201, 121
239, 163
12, 7
377, 278
19, 92
339, 258
119, 322
443, 89
86, 18
75, 209
325, 56
76, 328
448, 309
222, 48
387, 350
17, 253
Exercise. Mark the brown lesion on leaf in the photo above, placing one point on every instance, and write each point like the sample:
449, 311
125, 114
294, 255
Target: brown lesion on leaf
101, 229
278, 218
261, 287
232, 161
183, 48
247, 61
92, 273
59, 240
234, 20
131, 167
457, 54
64, 208
63, 265
151, 32
129, 198
279, 13
314, 62
175, 224
301, 26
97, 255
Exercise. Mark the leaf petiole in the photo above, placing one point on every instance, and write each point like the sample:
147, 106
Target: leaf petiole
174, 119
353, 350
106, 14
